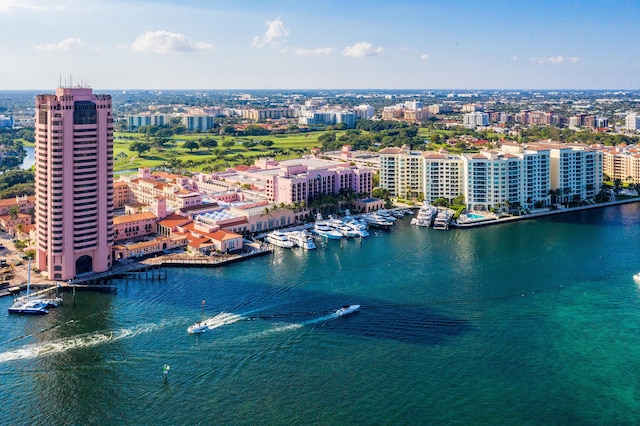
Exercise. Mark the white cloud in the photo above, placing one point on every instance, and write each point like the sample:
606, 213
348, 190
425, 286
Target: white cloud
166, 42
313, 52
362, 49
8, 5
275, 31
61, 46
555, 60
424, 57
514, 58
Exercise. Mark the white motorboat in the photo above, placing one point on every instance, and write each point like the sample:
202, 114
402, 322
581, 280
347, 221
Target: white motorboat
301, 239
27, 305
278, 239
347, 309
219, 320
199, 327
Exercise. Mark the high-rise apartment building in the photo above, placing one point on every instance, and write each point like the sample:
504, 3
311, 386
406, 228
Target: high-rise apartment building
401, 171
74, 182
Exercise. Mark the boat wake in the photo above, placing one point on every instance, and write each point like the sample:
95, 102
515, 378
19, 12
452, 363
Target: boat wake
37, 350
225, 318
293, 326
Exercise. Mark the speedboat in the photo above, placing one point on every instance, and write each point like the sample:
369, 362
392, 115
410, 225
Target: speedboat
279, 239
223, 318
347, 309
199, 327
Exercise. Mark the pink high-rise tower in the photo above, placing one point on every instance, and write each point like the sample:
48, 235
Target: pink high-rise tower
74, 183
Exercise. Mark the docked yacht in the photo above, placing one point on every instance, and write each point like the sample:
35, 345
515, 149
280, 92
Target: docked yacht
29, 306
278, 239
301, 239
341, 227
322, 229
358, 228
347, 309
426, 215
387, 215
442, 219
374, 219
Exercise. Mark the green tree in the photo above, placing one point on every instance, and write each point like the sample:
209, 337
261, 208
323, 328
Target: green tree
190, 145
208, 143
139, 147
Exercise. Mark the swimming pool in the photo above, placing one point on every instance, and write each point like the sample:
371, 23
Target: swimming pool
475, 216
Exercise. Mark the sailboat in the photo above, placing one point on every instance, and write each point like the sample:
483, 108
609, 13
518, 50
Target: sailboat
29, 306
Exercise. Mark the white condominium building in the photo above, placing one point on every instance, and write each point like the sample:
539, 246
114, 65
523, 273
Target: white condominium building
401, 171
442, 175
492, 179
632, 122
516, 175
472, 120
576, 170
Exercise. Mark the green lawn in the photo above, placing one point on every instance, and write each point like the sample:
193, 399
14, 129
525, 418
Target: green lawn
203, 157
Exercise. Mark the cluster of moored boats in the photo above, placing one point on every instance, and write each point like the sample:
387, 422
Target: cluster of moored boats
431, 216
333, 228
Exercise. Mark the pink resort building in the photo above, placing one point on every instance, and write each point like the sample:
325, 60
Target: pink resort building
74, 182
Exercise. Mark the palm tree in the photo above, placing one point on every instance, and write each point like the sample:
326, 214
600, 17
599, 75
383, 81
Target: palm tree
14, 212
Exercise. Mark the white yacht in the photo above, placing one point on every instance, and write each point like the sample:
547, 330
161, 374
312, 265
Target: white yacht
378, 221
301, 239
425, 216
341, 227
278, 239
359, 229
387, 215
347, 309
322, 229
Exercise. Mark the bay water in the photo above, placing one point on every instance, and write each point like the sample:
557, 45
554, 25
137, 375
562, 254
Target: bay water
534, 322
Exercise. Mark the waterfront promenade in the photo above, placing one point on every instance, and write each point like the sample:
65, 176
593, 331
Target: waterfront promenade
535, 215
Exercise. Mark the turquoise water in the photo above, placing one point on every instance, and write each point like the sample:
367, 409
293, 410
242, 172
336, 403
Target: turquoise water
535, 322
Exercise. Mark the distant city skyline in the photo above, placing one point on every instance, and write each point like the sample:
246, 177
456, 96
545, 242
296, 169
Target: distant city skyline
164, 44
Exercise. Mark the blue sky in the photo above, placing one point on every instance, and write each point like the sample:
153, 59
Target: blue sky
329, 44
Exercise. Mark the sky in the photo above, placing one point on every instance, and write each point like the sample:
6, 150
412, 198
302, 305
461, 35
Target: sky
328, 44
